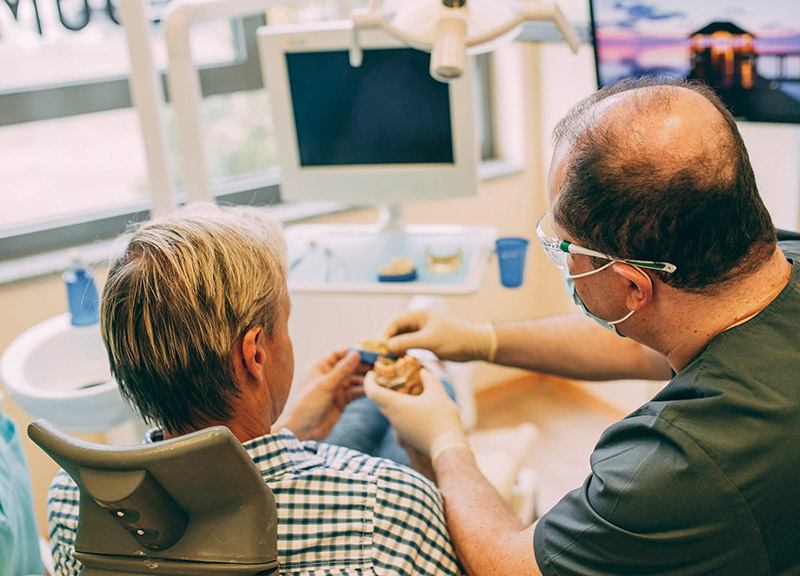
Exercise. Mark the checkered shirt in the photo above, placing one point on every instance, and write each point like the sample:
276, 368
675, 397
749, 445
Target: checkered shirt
340, 512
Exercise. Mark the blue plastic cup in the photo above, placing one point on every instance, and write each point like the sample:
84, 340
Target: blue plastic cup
511, 254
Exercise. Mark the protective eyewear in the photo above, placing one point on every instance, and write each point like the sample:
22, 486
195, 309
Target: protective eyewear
557, 250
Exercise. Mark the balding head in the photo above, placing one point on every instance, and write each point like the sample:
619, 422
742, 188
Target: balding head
656, 170
668, 128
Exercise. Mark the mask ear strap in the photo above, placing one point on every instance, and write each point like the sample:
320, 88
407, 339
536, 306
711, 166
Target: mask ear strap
615, 322
629, 314
595, 271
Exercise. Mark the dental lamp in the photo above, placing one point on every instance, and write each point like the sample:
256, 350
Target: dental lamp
451, 29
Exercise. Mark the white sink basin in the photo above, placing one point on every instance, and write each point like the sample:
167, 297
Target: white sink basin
60, 372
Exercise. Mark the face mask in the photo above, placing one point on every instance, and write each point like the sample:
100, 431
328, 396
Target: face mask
568, 280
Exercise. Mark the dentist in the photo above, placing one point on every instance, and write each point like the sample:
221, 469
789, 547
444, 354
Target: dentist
658, 228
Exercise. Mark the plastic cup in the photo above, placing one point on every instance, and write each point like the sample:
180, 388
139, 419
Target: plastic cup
511, 254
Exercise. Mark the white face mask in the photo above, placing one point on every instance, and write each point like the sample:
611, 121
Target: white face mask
607, 324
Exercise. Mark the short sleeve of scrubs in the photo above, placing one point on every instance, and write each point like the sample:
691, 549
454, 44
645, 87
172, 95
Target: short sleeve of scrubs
655, 503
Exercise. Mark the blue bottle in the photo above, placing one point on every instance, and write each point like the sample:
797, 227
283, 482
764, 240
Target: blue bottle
82, 298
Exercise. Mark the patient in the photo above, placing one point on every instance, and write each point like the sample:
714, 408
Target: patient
195, 320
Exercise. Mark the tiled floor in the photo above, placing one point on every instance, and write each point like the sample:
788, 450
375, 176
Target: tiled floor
568, 430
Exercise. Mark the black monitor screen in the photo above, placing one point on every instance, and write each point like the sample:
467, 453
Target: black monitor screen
387, 111
748, 51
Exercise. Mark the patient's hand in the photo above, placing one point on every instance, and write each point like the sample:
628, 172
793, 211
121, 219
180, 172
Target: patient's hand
330, 385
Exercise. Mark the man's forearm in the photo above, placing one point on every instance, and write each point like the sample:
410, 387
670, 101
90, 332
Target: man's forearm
488, 537
576, 347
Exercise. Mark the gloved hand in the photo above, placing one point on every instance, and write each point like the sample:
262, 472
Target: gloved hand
448, 338
429, 422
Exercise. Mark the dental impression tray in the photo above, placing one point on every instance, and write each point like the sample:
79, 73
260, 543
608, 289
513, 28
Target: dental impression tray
399, 270
443, 258
371, 350
402, 375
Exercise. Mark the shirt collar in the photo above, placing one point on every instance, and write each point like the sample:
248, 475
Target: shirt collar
273, 454
276, 454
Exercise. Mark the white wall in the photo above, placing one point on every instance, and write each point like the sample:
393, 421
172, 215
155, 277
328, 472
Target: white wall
775, 155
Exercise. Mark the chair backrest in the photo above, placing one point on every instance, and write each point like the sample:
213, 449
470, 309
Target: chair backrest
191, 505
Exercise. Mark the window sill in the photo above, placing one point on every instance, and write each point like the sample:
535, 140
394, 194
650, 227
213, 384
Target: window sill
99, 252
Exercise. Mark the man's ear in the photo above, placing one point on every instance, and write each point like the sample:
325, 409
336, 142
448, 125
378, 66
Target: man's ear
639, 285
251, 356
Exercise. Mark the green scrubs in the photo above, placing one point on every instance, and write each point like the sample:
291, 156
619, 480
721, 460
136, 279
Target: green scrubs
703, 479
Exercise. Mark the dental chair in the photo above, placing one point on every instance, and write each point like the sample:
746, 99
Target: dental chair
191, 505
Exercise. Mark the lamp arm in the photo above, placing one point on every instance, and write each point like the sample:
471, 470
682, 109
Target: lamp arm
533, 12
567, 30
487, 37
363, 19
530, 12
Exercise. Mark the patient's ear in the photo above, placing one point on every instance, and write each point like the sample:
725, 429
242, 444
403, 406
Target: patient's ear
250, 354
639, 285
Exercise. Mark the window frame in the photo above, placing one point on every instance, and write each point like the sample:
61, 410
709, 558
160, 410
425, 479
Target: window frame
50, 102
36, 104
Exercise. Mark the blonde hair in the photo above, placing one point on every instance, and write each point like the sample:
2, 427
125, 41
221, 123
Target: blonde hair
178, 301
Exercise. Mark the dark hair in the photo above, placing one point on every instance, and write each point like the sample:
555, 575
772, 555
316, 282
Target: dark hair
629, 201
177, 303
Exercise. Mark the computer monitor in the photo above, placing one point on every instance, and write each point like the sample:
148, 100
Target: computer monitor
384, 132
749, 52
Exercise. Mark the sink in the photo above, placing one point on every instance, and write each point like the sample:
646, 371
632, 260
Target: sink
60, 372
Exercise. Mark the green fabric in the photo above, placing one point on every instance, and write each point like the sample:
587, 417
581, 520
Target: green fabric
19, 537
704, 479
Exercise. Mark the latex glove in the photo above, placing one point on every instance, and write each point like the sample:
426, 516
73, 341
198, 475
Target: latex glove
330, 385
448, 338
429, 422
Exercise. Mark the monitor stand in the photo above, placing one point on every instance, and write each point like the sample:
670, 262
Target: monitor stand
391, 219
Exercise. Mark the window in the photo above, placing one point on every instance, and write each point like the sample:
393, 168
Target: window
73, 161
